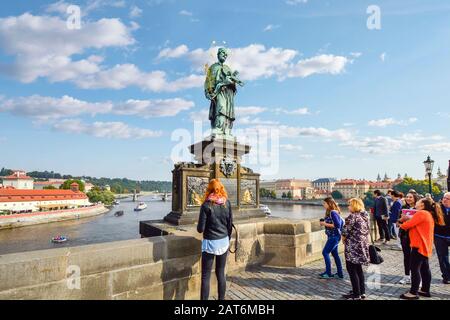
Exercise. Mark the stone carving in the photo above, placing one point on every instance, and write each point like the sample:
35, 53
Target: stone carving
248, 192
196, 187
228, 166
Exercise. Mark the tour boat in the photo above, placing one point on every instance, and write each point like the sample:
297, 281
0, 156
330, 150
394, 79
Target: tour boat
141, 206
59, 239
265, 208
118, 213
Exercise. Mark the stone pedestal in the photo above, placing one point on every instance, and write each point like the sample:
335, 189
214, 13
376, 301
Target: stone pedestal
221, 159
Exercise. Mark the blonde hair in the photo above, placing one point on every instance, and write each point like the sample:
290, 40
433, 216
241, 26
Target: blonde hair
356, 205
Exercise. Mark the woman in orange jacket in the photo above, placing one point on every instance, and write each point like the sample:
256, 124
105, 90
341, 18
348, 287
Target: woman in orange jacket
421, 233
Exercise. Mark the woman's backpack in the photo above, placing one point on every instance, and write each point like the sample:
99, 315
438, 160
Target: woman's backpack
374, 251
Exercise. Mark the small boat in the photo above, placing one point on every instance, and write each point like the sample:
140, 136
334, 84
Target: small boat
59, 239
266, 209
118, 213
141, 206
116, 202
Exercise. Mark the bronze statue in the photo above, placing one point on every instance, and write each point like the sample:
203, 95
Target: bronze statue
221, 87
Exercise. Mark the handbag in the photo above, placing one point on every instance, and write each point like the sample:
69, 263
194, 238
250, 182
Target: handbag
374, 251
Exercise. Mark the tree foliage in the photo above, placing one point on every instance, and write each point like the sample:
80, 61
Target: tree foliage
104, 196
337, 195
421, 186
67, 183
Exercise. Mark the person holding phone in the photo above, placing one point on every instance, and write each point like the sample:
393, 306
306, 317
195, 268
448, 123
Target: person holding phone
333, 224
410, 204
442, 240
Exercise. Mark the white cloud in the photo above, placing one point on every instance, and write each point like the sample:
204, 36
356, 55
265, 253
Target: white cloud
112, 130
173, 53
306, 156
391, 145
270, 27
125, 75
314, 132
383, 56
185, 13
250, 110
91, 5
391, 121
356, 54
325, 63
291, 147
295, 2
135, 12
49, 108
254, 121
437, 147
299, 111
44, 46
255, 61
153, 108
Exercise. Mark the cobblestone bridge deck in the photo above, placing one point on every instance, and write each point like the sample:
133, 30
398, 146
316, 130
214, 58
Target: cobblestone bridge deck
269, 283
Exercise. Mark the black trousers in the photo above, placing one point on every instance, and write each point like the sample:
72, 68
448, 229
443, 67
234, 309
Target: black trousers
356, 275
420, 271
404, 240
207, 263
383, 229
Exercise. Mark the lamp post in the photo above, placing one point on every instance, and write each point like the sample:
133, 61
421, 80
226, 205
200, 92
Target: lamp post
429, 169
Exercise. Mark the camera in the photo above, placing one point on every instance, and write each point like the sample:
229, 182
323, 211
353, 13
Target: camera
322, 220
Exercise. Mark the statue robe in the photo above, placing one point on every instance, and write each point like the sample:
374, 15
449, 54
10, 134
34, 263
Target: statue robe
223, 103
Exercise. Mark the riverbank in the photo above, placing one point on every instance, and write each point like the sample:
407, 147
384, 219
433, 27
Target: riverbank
342, 203
28, 219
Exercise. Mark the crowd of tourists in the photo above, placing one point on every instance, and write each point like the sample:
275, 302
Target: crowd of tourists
411, 223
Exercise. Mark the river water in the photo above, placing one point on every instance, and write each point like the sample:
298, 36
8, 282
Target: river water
107, 227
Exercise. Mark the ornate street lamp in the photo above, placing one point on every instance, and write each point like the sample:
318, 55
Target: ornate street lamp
429, 170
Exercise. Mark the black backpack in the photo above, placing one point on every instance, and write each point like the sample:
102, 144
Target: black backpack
374, 251
375, 256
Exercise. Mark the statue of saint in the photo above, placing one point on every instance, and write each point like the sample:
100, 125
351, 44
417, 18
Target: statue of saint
220, 88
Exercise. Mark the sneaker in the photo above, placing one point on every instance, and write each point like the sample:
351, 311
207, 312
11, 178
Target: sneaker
338, 276
386, 243
380, 241
397, 248
363, 296
325, 276
351, 296
405, 280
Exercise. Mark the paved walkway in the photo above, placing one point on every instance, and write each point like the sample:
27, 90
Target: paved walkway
270, 283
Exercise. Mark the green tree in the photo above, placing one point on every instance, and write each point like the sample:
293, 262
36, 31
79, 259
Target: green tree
289, 195
369, 200
283, 195
421, 186
273, 195
104, 196
67, 183
49, 188
337, 195
117, 188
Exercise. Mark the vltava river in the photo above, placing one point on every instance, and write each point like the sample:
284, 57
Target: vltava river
107, 227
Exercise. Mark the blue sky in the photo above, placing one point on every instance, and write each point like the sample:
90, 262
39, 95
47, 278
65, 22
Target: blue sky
344, 100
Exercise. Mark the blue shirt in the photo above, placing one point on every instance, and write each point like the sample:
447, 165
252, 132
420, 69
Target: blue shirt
335, 219
395, 210
216, 247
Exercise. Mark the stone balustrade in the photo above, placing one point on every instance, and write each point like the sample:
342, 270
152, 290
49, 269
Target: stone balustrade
164, 267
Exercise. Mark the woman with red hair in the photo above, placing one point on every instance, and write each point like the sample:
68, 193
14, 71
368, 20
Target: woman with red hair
215, 222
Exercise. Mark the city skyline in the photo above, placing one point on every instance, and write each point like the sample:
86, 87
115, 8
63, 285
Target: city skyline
104, 100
